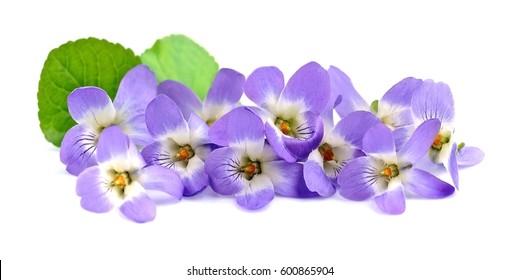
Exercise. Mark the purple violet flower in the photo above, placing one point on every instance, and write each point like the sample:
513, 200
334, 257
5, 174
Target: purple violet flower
179, 144
93, 110
249, 168
435, 100
384, 172
120, 179
393, 109
293, 127
223, 96
340, 144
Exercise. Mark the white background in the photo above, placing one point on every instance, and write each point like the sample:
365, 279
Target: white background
45, 234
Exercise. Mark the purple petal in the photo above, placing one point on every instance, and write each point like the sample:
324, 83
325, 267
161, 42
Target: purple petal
402, 92
452, 166
139, 208
420, 142
245, 128
378, 140
194, 178
163, 117
91, 183
198, 131
257, 194
356, 181
310, 84
392, 201
468, 156
137, 88
184, 97
137, 130
311, 133
433, 101
159, 178
316, 180
91, 106
287, 178
276, 140
402, 135
427, 185
354, 126
78, 149
221, 165
97, 204
154, 152
264, 86
341, 85
227, 87
113, 144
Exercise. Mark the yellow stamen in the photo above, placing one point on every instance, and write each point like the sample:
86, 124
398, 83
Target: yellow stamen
120, 181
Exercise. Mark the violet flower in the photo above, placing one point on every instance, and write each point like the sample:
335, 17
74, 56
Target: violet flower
435, 100
393, 109
120, 179
179, 144
93, 110
223, 96
293, 127
385, 173
248, 168
340, 144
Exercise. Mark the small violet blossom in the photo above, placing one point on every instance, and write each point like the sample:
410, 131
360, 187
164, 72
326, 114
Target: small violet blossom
393, 109
120, 179
293, 125
384, 172
435, 100
340, 144
223, 96
93, 110
179, 144
248, 168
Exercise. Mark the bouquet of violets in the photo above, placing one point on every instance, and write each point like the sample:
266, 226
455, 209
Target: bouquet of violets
163, 137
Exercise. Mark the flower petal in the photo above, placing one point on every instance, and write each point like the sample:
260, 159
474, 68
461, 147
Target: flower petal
316, 180
402, 135
469, 156
354, 126
434, 101
378, 140
137, 88
97, 204
357, 180
420, 142
245, 131
91, 182
78, 149
136, 129
221, 165
287, 178
91, 106
427, 185
194, 177
276, 140
164, 118
198, 131
183, 96
112, 144
310, 132
341, 85
392, 201
227, 87
159, 178
257, 193
264, 86
139, 208
452, 166
402, 92
311, 85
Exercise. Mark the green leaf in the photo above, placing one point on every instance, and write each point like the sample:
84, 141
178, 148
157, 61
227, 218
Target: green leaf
179, 58
85, 62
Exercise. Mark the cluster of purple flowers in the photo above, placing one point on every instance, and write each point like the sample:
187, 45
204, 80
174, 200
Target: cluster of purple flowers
164, 138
